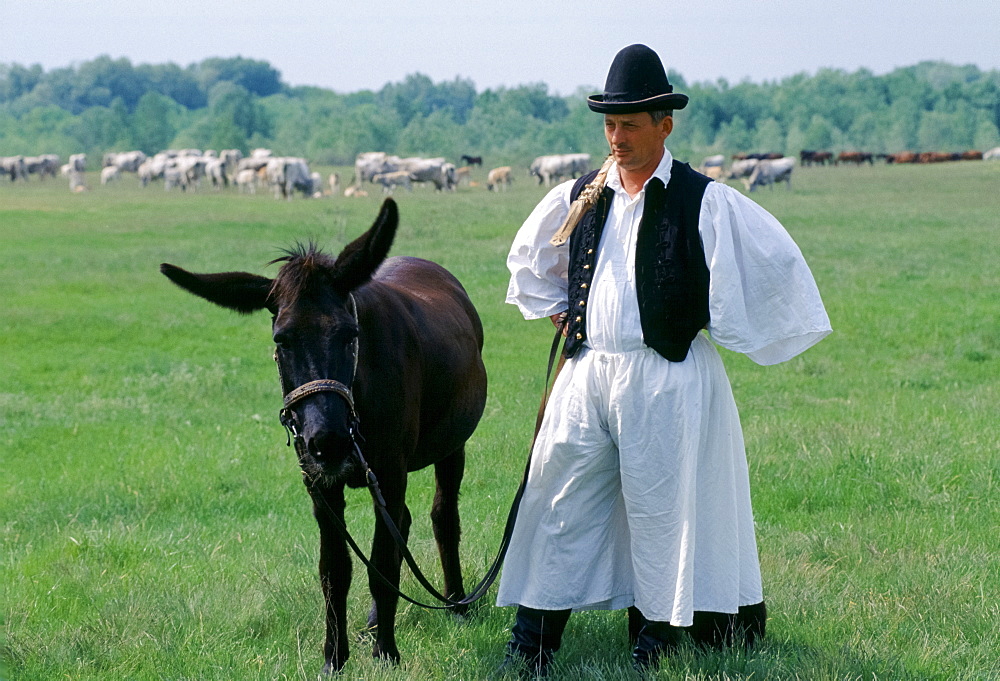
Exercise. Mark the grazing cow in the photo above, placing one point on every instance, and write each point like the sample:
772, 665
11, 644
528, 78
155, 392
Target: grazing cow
472, 160
855, 157
556, 167
44, 165
499, 178
110, 174
903, 157
808, 157
711, 166
435, 171
173, 176
127, 161
992, 155
215, 170
285, 175
972, 155
742, 168
193, 168
355, 190
246, 181
78, 162
934, 157
370, 163
769, 172
398, 178
253, 163
13, 167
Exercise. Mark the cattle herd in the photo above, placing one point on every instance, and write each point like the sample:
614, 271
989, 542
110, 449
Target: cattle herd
284, 176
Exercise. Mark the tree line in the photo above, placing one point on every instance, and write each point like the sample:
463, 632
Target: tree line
220, 103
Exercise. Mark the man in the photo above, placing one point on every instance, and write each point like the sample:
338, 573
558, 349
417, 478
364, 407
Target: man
638, 491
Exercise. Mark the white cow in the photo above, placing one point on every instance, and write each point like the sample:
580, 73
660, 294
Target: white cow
14, 167
78, 162
742, 168
556, 167
110, 174
215, 170
436, 171
173, 176
127, 161
371, 163
285, 175
246, 180
992, 155
770, 172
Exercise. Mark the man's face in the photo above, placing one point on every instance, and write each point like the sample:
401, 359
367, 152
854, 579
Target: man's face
636, 142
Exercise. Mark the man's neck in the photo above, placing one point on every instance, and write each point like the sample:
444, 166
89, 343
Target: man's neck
634, 180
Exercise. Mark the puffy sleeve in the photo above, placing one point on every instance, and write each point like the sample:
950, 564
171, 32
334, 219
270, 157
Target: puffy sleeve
538, 270
763, 299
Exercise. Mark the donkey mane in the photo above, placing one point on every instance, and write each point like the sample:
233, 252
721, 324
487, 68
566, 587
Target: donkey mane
305, 268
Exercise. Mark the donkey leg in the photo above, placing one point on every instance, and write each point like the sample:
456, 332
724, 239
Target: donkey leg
448, 475
387, 559
334, 575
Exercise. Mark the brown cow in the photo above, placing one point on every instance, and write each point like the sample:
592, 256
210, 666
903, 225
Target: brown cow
855, 157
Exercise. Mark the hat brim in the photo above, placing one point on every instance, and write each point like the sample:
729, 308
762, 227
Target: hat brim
673, 100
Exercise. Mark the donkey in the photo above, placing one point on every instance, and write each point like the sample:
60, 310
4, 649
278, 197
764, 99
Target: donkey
376, 355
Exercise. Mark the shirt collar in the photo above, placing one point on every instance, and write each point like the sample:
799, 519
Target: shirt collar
662, 173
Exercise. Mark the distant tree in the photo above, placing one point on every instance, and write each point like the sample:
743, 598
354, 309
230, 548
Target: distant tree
152, 122
16, 80
172, 81
256, 77
769, 137
735, 135
819, 134
234, 104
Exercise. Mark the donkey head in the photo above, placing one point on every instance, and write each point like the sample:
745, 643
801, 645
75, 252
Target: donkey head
315, 329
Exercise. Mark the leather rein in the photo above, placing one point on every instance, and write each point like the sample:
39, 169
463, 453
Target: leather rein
287, 419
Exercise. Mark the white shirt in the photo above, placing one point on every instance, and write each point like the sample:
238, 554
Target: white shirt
763, 300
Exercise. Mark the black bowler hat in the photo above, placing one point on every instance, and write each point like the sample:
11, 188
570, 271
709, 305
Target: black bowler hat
636, 82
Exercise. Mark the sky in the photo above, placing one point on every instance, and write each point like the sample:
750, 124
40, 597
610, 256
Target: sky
568, 45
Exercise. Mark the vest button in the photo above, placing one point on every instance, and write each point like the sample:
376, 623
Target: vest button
579, 318
586, 267
579, 336
590, 251
583, 285
582, 303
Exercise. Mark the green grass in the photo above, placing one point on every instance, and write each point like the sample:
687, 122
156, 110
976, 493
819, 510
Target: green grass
152, 522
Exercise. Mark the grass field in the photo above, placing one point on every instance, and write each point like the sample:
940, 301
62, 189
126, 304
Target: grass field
154, 526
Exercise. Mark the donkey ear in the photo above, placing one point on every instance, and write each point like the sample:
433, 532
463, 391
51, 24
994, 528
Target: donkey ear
360, 258
239, 291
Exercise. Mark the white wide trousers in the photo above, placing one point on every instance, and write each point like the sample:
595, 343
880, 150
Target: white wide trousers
638, 492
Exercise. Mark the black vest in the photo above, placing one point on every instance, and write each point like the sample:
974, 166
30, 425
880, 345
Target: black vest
671, 275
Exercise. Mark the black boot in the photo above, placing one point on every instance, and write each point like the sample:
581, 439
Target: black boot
534, 639
716, 629
656, 639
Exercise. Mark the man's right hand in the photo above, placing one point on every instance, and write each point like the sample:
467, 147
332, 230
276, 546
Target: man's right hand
559, 319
